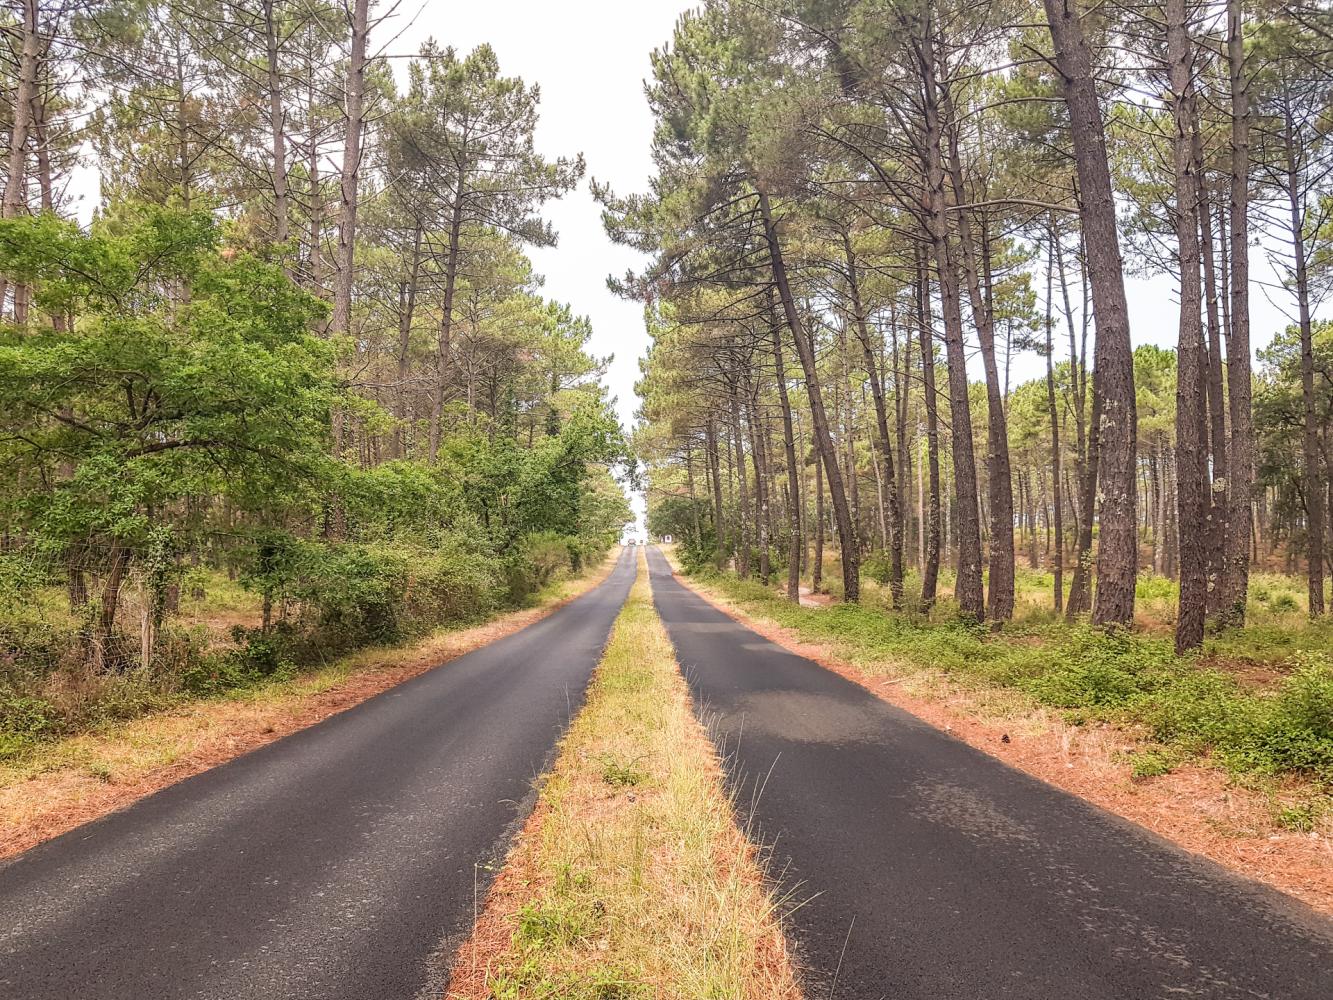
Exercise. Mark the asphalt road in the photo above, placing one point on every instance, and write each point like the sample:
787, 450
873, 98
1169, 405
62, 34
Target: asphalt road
336, 864
931, 871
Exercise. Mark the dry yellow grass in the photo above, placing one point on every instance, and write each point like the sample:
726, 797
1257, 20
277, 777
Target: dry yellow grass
631, 878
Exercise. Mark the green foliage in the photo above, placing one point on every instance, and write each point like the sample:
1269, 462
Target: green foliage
169, 398
1151, 763
158, 399
877, 567
622, 774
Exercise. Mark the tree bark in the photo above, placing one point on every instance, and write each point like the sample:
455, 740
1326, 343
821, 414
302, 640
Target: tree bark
895, 533
817, 570
1191, 456
407, 310
316, 192
999, 480
1219, 518
15, 198
25, 93
715, 467
851, 568
281, 208
742, 484
1080, 588
1240, 460
1113, 381
930, 570
1057, 515
793, 471
351, 167
104, 629
968, 588
1311, 484
444, 346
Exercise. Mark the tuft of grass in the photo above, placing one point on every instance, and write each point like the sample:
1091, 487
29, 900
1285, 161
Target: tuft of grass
649, 893
1152, 762
1299, 818
622, 774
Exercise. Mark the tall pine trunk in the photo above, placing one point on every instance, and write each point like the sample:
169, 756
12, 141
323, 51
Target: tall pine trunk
793, 471
968, 588
999, 478
1240, 460
1191, 496
1311, 482
1219, 516
851, 564
1113, 380
351, 167
1057, 566
890, 481
444, 345
715, 469
277, 125
930, 569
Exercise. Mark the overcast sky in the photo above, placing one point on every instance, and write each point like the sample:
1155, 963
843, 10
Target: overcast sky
590, 58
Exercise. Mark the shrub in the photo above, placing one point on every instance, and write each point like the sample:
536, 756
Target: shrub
1295, 730
26, 718
1151, 763
450, 584
539, 560
878, 566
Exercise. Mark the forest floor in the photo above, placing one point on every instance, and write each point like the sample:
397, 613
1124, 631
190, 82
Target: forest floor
67, 783
630, 877
1277, 829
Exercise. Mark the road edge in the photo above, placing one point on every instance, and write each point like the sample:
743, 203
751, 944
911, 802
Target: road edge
1159, 816
77, 797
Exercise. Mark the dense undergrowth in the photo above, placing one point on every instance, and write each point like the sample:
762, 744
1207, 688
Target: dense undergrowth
1187, 706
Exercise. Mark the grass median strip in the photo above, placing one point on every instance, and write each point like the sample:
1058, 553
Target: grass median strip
631, 878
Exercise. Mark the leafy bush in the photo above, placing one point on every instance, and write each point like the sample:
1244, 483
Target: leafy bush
878, 565
452, 586
539, 559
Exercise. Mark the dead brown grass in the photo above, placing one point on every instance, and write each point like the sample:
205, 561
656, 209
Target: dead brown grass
77, 780
1200, 808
